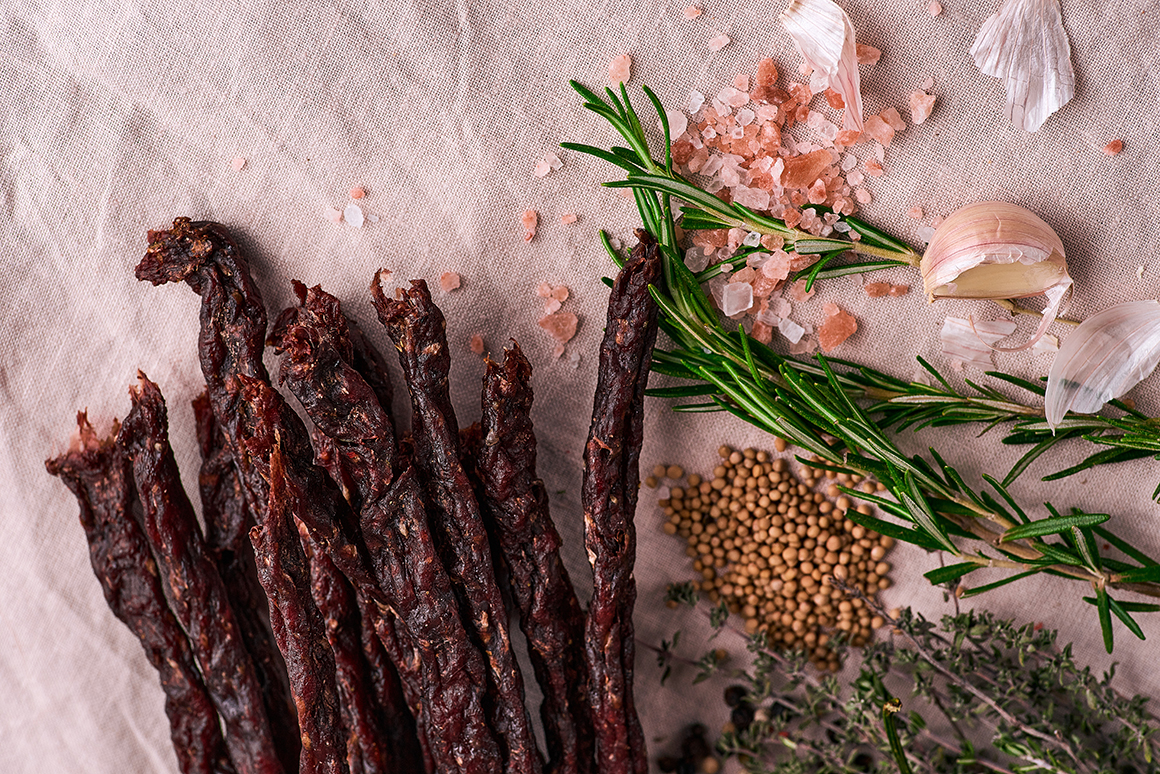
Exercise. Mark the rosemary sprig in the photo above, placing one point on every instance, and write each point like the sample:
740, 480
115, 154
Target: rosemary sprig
816, 406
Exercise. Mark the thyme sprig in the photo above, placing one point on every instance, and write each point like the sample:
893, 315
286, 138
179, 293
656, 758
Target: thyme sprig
819, 406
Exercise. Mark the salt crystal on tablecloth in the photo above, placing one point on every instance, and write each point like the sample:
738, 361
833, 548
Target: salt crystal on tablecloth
696, 101
867, 55
873, 167
765, 81
238, 163
835, 100
921, 104
915, 212
529, 220
927, 85
818, 192
891, 116
1114, 147
791, 330
560, 293
935, 8
899, 290
692, 12
854, 177
678, 122
863, 196
541, 169
552, 306
926, 233
838, 326
448, 281
561, 326
477, 344
753, 238
877, 128
736, 297
798, 292
373, 218
719, 42
357, 192
353, 215
620, 69
544, 290
877, 289
745, 116
849, 161
937, 221
568, 218
696, 259
333, 215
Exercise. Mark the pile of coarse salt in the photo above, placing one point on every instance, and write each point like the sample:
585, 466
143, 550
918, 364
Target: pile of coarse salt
561, 326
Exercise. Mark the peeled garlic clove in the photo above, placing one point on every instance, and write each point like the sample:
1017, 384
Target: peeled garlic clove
1107, 355
997, 250
824, 35
1025, 46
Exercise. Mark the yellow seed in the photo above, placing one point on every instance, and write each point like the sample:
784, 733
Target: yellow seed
674, 471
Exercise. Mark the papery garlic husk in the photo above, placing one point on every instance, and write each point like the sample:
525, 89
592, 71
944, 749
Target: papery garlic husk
825, 37
997, 250
1025, 46
1107, 355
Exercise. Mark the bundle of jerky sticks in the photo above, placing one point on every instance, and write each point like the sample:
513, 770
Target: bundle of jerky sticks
341, 612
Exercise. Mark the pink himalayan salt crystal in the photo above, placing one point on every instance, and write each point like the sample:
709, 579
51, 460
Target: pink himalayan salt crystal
890, 115
737, 297
854, 177
1114, 147
357, 192
802, 171
818, 192
877, 289
568, 218
765, 82
928, 84
873, 167
719, 42
741, 82
935, 8
772, 242
915, 212
448, 281
238, 163
838, 326
762, 332
552, 306
561, 326
937, 221
559, 293
620, 69
692, 12
877, 128
899, 290
921, 104
544, 290
333, 215
542, 168
847, 137
863, 196
834, 100
558, 349
477, 344
804, 345
868, 55
529, 220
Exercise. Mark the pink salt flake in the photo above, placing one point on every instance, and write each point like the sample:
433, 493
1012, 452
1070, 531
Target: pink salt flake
558, 350
921, 104
561, 326
238, 163
620, 69
838, 326
801, 171
568, 218
542, 168
529, 220
357, 192
544, 290
560, 293
798, 292
873, 167
935, 8
761, 332
772, 242
854, 177
477, 344
863, 196
333, 215
818, 192
877, 128
692, 12
741, 82
737, 297
928, 84
868, 55
834, 100
719, 42
915, 212
890, 115
847, 137
448, 281
765, 82
552, 306
1114, 147
877, 289
803, 346
937, 221
899, 290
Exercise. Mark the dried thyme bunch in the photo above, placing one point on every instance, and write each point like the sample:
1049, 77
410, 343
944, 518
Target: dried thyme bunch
972, 694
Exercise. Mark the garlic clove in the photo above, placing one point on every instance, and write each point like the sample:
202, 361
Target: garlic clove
824, 35
1107, 355
1025, 46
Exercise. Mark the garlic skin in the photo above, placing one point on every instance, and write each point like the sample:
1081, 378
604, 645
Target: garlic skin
1025, 46
824, 35
1107, 355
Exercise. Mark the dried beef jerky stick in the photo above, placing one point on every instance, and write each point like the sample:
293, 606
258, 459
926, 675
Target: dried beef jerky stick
447, 668
609, 498
98, 474
227, 525
366, 738
230, 343
199, 596
418, 329
516, 503
298, 627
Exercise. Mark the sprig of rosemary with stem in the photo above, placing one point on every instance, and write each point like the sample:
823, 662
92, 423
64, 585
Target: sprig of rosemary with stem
815, 405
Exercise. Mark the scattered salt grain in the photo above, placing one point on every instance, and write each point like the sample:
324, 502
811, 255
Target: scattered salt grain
529, 220
719, 42
868, 55
448, 281
736, 297
741, 82
890, 115
353, 215
567, 218
541, 169
791, 330
620, 69
333, 215
921, 104
838, 326
552, 306
877, 289
544, 290
692, 12
935, 8
477, 344
560, 293
854, 177
752, 239
745, 116
937, 221
678, 122
357, 192
1114, 147
373, 218
849, 161
798, 292
863, 196
558, 349
877, 128
926, 233
696, 259
915, 212
696, 101
927, 85
238, 163
873, 167
561, 326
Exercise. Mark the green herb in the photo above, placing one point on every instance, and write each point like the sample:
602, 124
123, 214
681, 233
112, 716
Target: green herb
821, 406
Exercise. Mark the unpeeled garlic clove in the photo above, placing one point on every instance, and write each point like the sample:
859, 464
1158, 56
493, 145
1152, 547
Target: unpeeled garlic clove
1107, 355
997, 250
824, 35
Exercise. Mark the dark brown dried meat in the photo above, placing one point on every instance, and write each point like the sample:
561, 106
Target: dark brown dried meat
298, 627
99, 476
448, 670
199, 596
227, 535
418, 329
609, 491
516, 508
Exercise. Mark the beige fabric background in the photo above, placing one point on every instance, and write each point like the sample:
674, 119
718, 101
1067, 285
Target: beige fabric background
115, 117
